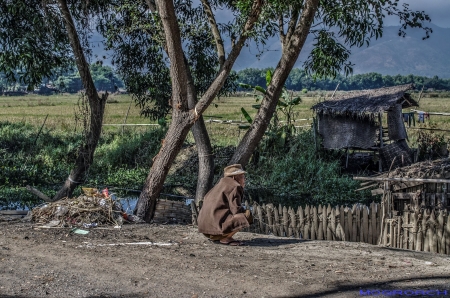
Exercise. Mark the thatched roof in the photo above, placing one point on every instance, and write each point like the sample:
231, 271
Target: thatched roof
366, 103
434, 169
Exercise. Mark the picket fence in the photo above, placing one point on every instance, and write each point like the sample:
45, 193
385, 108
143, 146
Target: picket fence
420, 230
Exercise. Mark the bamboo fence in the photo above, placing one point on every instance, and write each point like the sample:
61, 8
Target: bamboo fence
420, 230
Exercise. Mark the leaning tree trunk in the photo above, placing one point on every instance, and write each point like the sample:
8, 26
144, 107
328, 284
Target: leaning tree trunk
268, 105
96, 107
183, 118
203, 144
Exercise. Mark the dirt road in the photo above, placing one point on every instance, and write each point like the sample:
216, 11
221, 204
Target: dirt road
175, 261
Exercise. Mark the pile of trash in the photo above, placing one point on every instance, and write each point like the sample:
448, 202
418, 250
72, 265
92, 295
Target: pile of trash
92, 209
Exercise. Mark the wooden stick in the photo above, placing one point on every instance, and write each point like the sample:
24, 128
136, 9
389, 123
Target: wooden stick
402, 179
40, 130
38, 193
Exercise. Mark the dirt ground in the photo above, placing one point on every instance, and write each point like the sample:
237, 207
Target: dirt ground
175, 261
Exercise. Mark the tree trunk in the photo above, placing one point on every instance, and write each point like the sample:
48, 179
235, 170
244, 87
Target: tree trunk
268, 105
96, 105
183, 118
203, 144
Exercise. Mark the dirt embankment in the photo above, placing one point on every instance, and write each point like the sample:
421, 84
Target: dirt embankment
175, 261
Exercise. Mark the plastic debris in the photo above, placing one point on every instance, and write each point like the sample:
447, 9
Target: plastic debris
80, 231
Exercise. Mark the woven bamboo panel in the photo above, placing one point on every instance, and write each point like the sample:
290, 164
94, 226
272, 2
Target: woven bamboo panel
395, 155
167, 211
396, 126
341, 132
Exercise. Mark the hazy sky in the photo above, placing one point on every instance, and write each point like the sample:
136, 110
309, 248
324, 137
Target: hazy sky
438, 10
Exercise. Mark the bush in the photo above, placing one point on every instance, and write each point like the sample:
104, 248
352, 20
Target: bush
303, 174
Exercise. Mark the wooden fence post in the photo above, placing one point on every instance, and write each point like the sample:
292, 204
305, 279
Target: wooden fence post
260, 218
447, 235
440, 232
269, 217
276, 222
307, 223
320, 228
285, 221
301, 220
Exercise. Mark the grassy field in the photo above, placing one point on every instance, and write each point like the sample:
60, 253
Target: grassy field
61, 111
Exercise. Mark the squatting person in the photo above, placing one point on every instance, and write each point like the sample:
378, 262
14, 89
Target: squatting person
222, 214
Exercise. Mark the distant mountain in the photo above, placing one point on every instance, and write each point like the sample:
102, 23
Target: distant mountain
389, 55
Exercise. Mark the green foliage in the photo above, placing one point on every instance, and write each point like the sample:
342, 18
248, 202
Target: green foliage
302, 174
120, 160
278, 134
431, 145
33, 41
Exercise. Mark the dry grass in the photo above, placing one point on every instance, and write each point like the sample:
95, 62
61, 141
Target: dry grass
62, 109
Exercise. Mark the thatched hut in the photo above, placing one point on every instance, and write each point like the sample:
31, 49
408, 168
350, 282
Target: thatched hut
354, 120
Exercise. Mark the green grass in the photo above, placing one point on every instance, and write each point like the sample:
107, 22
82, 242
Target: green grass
32, 109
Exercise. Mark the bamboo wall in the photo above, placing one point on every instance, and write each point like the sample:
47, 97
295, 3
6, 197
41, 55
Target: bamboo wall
421, 230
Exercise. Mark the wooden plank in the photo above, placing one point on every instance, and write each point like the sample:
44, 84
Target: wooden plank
324, 221
333, 223
301, 219
260, 219
399, 233
391, 234
307, 223
406, 239
269, 218
432, 233
329, 223
285, 221
315, 223
281, 225
276, 222
348, 224
373, 220
13, 212
354, 225
342, 221
447, 236
358, 224
365, 226
292, 223
440, 232
320, 214
424, 239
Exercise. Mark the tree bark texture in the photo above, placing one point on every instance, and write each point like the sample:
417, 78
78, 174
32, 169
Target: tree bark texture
289, 56
203, 144
183, 118
96, 107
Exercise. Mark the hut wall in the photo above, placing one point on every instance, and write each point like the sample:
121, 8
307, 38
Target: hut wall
396, 126
395, 155
342, 132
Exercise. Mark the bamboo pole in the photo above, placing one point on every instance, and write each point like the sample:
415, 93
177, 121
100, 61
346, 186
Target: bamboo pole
402, 179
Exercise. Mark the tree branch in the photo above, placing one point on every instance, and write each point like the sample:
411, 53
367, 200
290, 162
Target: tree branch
281, 29
218, 82
292, 23
215, 32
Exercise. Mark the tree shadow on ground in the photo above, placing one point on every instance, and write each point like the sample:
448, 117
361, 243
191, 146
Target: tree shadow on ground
268, 242
375, 289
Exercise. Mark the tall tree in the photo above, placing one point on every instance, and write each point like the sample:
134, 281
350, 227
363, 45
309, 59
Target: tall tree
334, 24
184, 117
135, 34
38, 37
